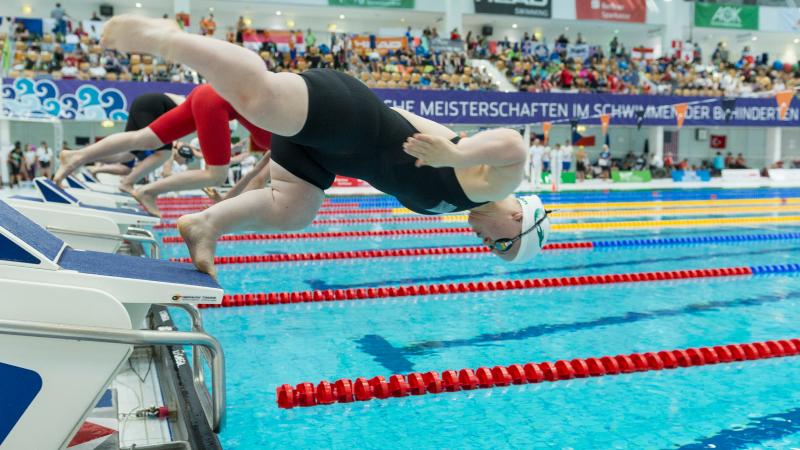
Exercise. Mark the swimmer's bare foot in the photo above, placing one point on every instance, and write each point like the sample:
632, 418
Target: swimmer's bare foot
67, 166
124, 187
147, 200
213, 194
201, 239
132, 33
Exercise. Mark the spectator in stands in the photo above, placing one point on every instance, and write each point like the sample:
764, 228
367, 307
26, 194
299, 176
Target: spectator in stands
740, 162
684, 164
31, 162
613, 46
59, 14
45, 155
581, 162
207, 25
15, 162
629, 161
241, 27
604, 162
719, 164
669, 162
729, 161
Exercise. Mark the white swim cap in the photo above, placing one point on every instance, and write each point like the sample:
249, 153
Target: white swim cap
532, 242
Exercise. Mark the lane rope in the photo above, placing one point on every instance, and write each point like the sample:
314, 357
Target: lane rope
363, 389
329, 295
733, 221
480, 249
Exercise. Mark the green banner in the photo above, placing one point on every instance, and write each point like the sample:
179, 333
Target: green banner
633, 176
566, 177
374, 3
737, 17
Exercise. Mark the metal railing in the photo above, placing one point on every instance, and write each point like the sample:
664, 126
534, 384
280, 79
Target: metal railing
134, 234
198, 353
211, 348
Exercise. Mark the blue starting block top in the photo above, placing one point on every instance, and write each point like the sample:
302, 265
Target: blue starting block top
25, 229
94, 263
53, 193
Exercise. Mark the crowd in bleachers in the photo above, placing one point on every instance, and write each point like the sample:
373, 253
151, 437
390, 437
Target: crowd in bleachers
531, 63
534, 66
76, 54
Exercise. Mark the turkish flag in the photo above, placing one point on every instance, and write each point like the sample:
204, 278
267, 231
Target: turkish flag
719, 142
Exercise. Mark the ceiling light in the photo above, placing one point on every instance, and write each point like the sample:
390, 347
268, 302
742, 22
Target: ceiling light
341, 16
138, 5
278, 13
402, 19
332, 27
27, 9
797, 40
514, 26
290, 23
755, 38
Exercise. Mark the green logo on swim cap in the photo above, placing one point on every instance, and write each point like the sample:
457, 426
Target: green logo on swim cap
539, 230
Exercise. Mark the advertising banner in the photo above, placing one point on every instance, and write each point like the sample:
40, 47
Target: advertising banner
737, 17
784, 174
578, 51
612, 10
98, 100
542, 9
380, 43
447, 45
690, 175
408, 4
347, 182
740, 174
491, 108
631, 176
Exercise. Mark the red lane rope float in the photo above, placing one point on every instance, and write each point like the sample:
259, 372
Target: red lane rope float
363, 389
328, 234
362, 254
328, 295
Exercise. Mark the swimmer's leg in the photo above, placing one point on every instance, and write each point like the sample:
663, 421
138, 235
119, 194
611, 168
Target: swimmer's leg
277, 102
289, 204
192, 179
144, 168
256, 179
108, 147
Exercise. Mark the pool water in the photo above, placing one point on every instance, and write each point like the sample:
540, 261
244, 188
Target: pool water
752, 404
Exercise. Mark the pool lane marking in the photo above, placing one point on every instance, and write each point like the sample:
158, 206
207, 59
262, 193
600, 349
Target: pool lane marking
758, 431
557, 227
364, 389
479, 249
172, 212
395, 359
273, 298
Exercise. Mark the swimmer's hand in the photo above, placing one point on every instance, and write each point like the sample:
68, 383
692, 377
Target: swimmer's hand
433, 151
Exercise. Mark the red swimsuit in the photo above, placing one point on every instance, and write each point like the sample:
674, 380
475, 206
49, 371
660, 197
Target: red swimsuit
206, 112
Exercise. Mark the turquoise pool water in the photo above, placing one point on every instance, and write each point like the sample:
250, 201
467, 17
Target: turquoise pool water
743, 405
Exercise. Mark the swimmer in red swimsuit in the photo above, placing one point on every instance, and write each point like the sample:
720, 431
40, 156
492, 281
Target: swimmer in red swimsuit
203, 111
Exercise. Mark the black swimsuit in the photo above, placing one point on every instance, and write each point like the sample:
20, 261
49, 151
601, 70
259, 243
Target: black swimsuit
145, 109
350, 131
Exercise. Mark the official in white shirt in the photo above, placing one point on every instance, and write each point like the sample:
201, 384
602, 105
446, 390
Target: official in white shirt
537, 152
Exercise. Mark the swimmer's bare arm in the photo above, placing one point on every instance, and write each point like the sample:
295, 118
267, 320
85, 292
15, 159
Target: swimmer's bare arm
500, 147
